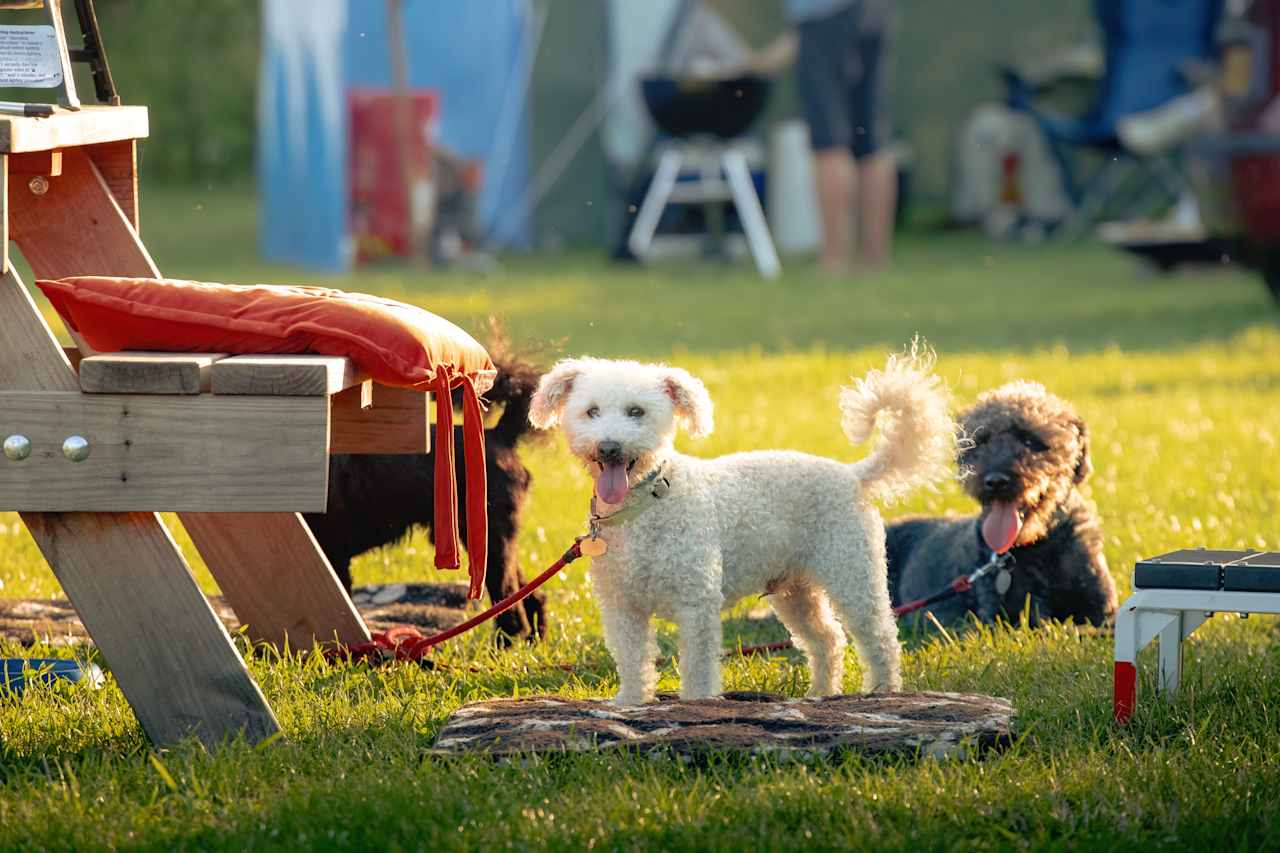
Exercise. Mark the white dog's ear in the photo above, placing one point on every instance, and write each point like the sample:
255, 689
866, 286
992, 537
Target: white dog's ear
548, 401
691, 401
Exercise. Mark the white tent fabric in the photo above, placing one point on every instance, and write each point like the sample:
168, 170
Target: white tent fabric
302, 129
992, 133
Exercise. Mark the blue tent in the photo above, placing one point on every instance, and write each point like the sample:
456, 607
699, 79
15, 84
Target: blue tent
475, 55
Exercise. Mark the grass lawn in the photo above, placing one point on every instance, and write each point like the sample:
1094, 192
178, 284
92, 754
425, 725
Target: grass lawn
1179, 379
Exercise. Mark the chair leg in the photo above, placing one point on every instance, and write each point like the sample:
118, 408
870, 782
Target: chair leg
655, 202
750, 213
1158, 183
1171, 180
1097, 195
1152, 186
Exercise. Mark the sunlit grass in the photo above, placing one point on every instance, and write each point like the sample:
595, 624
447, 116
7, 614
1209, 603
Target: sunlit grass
1179, 381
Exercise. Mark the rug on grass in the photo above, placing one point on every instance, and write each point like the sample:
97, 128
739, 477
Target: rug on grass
427, 607
936, 724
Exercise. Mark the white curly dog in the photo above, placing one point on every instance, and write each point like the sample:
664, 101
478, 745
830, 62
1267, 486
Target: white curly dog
683, 538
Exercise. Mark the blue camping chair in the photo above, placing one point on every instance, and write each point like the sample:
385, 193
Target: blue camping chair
1149, 47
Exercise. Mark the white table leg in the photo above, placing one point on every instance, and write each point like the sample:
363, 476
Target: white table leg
1125, 696
1171, 657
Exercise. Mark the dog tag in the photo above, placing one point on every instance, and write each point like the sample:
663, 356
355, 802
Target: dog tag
594, 547
1003, 580
661, 487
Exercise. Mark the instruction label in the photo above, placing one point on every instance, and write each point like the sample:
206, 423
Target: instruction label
29, 57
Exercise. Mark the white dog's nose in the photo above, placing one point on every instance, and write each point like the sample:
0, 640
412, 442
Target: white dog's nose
609, 451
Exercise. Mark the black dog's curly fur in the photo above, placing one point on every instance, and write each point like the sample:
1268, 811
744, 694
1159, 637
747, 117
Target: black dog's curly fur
375, 500
1025, 445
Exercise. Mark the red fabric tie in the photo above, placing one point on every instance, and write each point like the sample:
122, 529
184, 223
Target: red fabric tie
446, 497
477, 487
477, 492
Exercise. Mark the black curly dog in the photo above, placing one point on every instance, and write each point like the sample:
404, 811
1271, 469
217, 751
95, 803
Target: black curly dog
1026, 453
376, 499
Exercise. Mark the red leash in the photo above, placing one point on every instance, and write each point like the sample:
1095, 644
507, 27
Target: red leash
406, 643
959, 586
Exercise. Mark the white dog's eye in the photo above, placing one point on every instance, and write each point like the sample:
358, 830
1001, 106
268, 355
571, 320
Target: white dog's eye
635, 412
593, 412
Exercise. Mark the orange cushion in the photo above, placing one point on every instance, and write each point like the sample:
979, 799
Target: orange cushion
396, 344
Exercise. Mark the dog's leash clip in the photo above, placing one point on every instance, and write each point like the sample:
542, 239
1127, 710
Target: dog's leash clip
591, 545
1004, 576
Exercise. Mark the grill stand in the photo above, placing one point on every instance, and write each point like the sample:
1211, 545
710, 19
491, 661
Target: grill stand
722, 175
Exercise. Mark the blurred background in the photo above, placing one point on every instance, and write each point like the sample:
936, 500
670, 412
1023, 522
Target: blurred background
200, 67
362, 132
198, 64
528, 127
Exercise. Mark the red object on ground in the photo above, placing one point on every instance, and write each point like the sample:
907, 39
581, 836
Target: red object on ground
396, 344
383, 213
1126, 690
1255, 177
410, 644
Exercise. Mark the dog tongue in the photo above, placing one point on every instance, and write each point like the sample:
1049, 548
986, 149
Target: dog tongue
1001, 526
611, 483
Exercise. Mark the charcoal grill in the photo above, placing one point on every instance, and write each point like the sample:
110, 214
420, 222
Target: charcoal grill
688, 106
704, 163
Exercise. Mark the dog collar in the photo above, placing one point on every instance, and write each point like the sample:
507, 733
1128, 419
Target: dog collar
654, 484
1001, 564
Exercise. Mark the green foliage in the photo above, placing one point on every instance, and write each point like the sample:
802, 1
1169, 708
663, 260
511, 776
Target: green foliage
195, 64
1176, 376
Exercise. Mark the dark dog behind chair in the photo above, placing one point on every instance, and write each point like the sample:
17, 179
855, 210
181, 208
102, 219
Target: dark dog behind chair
1026, 453
377, 499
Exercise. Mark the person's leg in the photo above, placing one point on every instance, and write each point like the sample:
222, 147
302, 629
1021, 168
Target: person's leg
877, 204
836, 178
822, 77
877, 169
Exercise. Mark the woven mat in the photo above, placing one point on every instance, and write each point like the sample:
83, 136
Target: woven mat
937, 724
428, 607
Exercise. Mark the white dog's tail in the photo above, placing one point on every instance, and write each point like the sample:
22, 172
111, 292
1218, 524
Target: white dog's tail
918, 441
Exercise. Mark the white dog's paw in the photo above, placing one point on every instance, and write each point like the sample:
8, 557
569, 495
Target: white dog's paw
629, 698
886, 684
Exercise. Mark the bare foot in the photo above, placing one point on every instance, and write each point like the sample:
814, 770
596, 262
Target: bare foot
835, 267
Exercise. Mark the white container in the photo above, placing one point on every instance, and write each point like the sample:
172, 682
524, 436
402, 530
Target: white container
791, 194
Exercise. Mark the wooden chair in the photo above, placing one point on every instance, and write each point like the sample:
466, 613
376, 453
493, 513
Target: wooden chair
238, 446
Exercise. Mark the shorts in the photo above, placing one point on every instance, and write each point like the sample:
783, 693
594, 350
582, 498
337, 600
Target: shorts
842, 74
